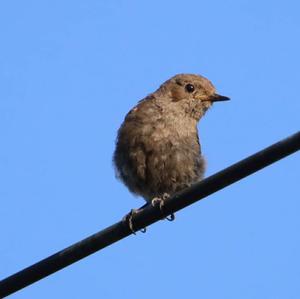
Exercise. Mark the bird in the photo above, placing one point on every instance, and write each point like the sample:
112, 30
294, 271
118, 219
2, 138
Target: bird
158, 152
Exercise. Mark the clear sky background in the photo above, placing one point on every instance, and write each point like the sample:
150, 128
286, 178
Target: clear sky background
71, 70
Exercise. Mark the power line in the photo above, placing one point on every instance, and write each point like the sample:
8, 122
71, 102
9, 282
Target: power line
149, 215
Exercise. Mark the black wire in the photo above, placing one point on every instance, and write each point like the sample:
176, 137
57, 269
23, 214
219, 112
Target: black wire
149, 215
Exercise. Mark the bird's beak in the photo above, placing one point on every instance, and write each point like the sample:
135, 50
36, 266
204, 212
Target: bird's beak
217, 98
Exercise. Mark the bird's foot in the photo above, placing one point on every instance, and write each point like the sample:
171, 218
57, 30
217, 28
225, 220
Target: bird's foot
160, 201
127, 219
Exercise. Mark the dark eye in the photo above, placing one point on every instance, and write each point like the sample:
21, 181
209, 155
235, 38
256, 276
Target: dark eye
189, 87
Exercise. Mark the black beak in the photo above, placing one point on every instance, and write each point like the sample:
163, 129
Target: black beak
218, 98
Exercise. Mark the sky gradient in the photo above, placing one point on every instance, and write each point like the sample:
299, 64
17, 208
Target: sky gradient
71, 70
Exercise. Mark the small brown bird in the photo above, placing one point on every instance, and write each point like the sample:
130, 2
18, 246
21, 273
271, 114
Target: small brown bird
157, 149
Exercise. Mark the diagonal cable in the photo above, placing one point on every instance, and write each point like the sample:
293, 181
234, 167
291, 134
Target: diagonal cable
149, 215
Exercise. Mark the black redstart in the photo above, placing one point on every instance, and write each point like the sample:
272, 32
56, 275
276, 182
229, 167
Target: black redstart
158, 151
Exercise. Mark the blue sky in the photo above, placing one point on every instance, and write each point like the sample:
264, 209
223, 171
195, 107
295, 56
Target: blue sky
70, 71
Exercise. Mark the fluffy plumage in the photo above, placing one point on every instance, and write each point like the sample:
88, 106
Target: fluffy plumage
157, 148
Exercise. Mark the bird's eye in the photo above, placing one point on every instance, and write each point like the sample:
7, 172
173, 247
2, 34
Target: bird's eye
190, 88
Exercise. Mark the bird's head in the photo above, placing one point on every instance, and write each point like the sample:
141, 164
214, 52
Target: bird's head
190, 94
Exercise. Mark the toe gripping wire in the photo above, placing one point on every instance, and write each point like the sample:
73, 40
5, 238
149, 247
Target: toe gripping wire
156, 201
160, 201
127, 219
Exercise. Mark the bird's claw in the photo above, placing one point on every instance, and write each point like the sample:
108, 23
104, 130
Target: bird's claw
171, 217
160, 201
127, 219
